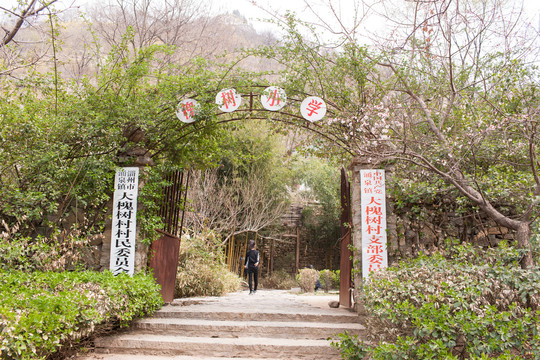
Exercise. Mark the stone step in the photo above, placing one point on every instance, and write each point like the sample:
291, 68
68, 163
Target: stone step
164, 357
270, 325
242, 328
320, 317
248, 347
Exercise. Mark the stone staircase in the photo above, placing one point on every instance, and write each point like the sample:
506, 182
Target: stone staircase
271, 324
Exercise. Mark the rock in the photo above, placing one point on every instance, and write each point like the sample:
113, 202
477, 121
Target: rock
333, 304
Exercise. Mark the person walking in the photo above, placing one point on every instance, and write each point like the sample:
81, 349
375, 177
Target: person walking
252, 266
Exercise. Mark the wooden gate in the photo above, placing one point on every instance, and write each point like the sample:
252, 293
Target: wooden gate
236, 250
165, 250
345, 273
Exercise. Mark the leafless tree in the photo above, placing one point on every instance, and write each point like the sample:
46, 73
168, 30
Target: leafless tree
182, 23
23, 13
190, 26
230, 206
34, 19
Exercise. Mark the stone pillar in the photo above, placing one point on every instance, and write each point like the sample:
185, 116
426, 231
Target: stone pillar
105, 259
134, 156
363, 163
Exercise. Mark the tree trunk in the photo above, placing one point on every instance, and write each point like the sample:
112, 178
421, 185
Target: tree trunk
522, 228
523, 236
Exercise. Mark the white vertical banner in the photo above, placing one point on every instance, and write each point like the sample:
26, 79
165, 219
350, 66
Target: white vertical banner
126, 184
373, 198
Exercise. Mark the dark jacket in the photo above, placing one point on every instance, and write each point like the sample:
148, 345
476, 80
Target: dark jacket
252, 258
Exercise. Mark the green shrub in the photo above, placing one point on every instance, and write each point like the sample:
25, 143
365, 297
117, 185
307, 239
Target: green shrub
57, 253
44, 312
202, 270
350, 347
279, 279
307, 278
326, 278
337, 278
467, 302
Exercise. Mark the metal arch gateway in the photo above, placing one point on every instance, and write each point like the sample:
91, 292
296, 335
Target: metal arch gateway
273, 100
310, 110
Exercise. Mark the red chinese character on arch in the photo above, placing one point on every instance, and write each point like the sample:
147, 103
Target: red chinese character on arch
313, 108
228, 100
273, 98
186, 110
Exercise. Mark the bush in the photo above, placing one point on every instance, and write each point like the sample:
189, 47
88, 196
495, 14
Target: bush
59, 252
350, 347
202, 270
326, 277
279, 279
307, 278
44, 312
337, 279
463, 303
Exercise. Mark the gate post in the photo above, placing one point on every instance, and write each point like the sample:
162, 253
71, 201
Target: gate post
165, 250
345, 266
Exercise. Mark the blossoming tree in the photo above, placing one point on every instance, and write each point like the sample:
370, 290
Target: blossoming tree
449, 90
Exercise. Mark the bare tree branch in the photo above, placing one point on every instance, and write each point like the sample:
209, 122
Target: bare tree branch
230, 206
30, 10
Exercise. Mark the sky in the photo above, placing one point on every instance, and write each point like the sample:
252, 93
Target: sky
264, 9
246, 7
257, 9
253, 12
